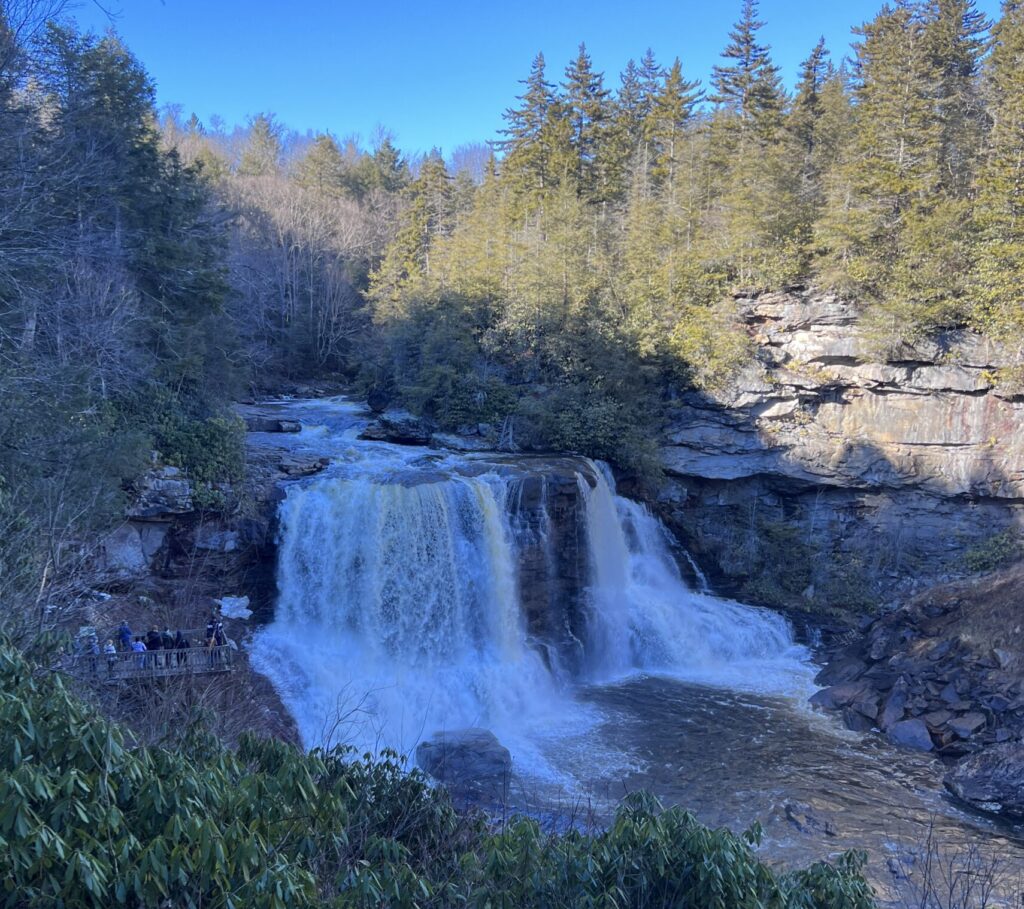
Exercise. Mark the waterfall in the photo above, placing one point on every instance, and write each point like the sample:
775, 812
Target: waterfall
646, 618
426, 598
398, 613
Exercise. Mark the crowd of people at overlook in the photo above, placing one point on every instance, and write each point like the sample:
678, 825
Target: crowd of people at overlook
156, 649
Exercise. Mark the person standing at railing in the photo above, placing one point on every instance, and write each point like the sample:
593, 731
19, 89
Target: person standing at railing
181, 644
167, 642
154, 644
124, 636
111, 651
140, 648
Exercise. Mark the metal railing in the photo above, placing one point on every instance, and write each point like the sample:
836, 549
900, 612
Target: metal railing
113, 667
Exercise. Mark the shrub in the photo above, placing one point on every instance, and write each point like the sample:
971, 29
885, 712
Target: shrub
995, 552
88, 820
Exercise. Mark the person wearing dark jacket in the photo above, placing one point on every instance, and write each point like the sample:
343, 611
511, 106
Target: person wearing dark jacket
124, 636
153, 643
181, 644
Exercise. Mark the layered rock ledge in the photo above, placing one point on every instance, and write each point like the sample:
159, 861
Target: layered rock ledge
893, 470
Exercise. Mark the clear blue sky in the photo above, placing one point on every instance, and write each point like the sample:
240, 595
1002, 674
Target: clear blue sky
433, 73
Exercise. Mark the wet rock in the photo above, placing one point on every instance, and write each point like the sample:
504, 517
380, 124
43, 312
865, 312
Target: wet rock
398, 427
260, 423
459, 442
809, 820
965, 726
992, 780
302, 467
837, 696
856, 721
911, 734
843, 669
472, 763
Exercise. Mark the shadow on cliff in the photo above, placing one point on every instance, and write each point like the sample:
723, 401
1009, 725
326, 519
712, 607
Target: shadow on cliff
778, 512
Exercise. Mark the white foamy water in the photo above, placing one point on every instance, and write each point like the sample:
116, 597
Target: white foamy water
399, 611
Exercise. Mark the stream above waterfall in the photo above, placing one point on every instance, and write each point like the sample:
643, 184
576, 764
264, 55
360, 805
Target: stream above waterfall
422, 591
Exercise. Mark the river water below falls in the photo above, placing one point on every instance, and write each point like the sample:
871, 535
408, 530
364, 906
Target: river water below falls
421, 591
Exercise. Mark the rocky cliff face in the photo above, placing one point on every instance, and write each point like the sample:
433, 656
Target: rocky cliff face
830, 477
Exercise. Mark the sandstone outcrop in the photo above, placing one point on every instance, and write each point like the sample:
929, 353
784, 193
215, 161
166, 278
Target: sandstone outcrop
892, 469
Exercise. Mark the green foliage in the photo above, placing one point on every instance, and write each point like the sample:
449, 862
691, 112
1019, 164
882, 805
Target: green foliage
584, 419
209, 447
998, 550
710, 345
90, 819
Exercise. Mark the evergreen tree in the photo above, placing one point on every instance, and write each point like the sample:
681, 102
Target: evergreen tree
261, 156
998, 277
322, 169
956, 35
805, 111
892, 231
585, 104
526, 157
666, 124
749, 86
427, 216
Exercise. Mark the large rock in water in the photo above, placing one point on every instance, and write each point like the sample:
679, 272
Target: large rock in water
472, 763
992, 780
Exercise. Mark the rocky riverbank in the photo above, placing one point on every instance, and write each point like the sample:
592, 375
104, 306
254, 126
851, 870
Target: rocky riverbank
944, 673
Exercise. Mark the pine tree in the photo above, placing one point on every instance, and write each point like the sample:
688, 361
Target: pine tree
956, 35
390, 171
805, 111
526, 157
892, 231
261, 156
628, 146
998, 278
586, 107
666, 124
427, 217
749, 86
322, 169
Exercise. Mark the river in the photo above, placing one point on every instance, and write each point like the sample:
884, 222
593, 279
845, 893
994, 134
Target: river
402, 611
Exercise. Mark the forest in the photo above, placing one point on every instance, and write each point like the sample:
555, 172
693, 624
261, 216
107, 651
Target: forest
564, 281
563, 284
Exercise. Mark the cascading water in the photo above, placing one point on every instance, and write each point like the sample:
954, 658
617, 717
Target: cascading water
398, 613
400, 609
421, 592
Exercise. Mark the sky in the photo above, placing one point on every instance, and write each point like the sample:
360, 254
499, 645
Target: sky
434, 74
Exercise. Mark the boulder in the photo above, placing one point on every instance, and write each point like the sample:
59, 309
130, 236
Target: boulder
838, 696
262, 423
295, 466
216, 539
161, 493
992, 780
892, 712
398, 427
121, 553
965, 726
455, 442
842, 669
472, 763
911, 734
